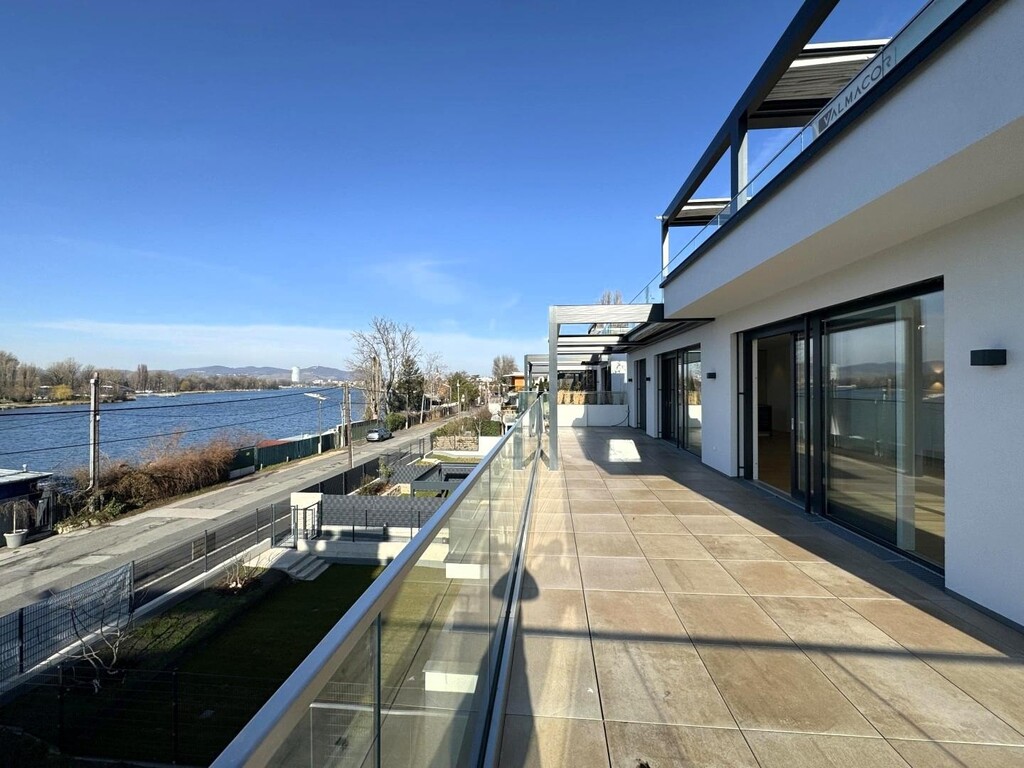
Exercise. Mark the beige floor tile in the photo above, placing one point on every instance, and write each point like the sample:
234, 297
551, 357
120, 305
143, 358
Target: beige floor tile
607, 545
679, 494
554, 572
1010, 640
594, 506
632, 616
621, 483
657, 683
926, 629
577, 481
553, 677
632, 494
676, 746
772, 578
599, 524
630, 574
551, 521
843, 583
641, 507
930, 754
727, 619
588, 493
553, 612
677, 546
552, 742
654, 524
689, 508
563, 541
695, 577
761, 524
737, 547
778, 688
545, 506
906, 699
803, 750
995, 683
662, 483
798, 549
828, 624
717, 524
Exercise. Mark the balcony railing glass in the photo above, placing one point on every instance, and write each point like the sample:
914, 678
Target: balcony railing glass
408, 676
926, 21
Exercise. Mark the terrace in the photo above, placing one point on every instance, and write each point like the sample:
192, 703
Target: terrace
638, 608
678, 617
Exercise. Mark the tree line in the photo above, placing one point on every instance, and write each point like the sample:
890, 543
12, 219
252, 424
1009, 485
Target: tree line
68, 379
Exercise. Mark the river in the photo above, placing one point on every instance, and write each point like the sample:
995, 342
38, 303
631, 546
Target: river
56, 438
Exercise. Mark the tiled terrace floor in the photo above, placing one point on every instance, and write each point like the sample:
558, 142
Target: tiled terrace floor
674, 617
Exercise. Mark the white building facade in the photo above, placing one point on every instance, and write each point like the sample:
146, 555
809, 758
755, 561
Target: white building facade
863, 355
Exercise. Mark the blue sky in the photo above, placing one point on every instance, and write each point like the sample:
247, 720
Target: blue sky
189, 184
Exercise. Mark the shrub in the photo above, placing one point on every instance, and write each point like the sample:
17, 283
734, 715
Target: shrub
395, 421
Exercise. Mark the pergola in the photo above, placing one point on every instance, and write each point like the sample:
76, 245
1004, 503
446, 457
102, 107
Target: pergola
581, 336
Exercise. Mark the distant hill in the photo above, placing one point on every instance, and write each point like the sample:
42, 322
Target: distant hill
268, 372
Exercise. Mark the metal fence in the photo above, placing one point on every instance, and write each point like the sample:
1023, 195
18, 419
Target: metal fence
163, 716
31, 635
168, 569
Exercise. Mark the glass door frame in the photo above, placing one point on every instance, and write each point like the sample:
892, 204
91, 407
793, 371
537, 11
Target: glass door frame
796, 328
812, 327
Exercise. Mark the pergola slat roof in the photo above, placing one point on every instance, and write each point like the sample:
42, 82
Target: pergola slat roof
612, 329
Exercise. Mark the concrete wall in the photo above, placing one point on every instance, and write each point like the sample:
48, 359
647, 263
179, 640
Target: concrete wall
592, 415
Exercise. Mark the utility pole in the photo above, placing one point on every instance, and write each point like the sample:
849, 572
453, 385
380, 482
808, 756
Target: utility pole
348, 423
319, 419
94, 434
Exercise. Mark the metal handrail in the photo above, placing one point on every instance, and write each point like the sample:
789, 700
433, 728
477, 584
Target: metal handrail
261, 737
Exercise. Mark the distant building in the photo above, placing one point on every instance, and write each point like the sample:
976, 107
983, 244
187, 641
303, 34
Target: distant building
296, 375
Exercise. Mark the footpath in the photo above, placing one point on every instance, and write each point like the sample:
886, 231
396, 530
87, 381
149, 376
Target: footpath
31, 572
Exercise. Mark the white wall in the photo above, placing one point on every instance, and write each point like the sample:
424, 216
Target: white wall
981, 259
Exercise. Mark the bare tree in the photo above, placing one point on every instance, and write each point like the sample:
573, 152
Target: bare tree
611, 297
68, 372
8, 374
377, 359
502, 366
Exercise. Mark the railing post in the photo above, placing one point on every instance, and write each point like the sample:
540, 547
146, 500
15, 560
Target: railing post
206, 551
174, 716
257, 516
60, 707
377, 696
273, 520
21, 640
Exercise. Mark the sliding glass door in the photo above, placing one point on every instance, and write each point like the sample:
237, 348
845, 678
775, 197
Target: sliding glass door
884, 407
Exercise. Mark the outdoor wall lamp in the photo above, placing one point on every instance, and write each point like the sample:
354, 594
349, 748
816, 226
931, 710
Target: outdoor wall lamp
712, 374
988, 357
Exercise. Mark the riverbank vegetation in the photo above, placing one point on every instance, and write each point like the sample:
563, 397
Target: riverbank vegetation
68, 380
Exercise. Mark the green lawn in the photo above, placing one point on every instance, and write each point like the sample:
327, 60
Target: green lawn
194, 675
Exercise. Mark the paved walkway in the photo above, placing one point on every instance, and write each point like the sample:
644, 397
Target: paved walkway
674, 617
30, 572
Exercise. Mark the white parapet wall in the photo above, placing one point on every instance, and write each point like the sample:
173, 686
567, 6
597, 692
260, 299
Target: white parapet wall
592, 415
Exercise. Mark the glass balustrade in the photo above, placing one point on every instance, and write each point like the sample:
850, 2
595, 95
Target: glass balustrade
407, 677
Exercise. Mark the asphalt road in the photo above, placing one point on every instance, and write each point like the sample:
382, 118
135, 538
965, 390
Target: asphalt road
32, 571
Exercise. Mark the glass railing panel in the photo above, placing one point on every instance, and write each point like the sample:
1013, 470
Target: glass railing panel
339, 727
436, 640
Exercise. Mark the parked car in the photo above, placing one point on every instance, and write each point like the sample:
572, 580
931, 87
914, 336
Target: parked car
378, 433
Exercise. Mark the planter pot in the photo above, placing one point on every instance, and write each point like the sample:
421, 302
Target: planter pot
15, 540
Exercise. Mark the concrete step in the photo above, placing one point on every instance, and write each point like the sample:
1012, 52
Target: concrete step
306, 567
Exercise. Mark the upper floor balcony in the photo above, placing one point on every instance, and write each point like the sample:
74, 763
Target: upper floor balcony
817, 93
